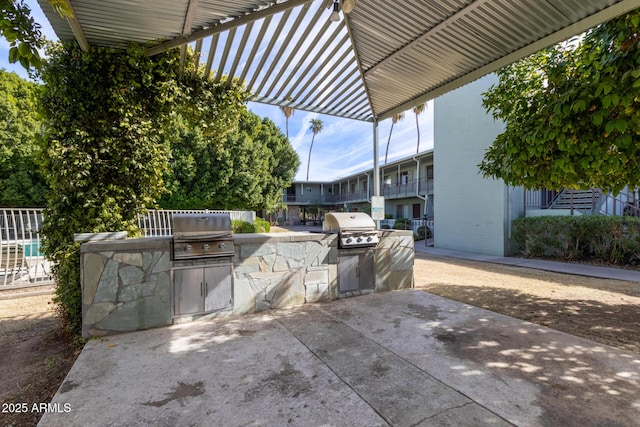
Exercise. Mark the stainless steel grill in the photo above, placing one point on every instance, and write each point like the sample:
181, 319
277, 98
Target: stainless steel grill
202, 236
354, 229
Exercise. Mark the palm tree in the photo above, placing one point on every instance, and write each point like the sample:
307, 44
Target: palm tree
288, 112
419, 109
316, 128
394, 119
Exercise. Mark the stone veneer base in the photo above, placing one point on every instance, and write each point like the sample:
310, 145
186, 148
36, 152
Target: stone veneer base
127, 284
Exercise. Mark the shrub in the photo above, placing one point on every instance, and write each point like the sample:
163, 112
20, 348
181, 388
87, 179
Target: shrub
420, 233
240, 226
609, 239
402, 224
261, 225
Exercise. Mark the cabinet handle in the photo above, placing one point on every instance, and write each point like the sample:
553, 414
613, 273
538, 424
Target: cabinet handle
206, 288
201, 294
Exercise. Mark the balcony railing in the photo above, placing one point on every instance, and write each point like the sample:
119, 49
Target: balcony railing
591, 201
389, 191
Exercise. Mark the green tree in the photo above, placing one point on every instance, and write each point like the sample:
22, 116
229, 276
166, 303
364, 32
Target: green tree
18, 27
315, 126
111, 115
104, 153
288, 112
282, 164
247, 170
21, 183
571, 113
394, 119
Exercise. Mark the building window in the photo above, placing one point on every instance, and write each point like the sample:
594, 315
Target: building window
429, 171
404, 178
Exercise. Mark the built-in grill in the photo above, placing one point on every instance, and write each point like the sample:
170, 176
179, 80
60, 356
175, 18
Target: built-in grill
205, 235
354, 229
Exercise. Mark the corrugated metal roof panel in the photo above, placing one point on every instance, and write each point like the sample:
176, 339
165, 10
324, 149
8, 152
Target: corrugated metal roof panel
380, 59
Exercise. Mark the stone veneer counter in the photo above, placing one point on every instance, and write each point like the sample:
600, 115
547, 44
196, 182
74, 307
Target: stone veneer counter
127, 284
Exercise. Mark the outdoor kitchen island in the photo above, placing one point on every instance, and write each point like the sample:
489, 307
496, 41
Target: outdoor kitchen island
129, 284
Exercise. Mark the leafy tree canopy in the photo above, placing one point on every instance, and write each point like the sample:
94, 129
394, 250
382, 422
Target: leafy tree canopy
245, 170
21, 183
18, 27
571, 113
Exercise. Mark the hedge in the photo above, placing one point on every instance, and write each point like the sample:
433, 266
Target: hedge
259, 226
608, 239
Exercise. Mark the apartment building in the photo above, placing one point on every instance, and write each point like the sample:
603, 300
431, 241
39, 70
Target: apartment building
469, 213
406, 184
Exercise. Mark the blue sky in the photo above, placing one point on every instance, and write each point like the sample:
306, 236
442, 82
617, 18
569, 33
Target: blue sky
342, 148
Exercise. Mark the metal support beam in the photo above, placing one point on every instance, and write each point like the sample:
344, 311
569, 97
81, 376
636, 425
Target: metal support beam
234, 23
76, 28
376, 165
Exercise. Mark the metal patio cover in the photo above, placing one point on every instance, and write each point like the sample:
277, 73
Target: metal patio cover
382, 58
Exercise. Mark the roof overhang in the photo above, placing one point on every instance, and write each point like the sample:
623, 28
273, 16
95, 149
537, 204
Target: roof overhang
383, 58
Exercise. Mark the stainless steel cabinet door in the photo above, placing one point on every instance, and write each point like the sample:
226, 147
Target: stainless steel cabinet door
367, 274
348, 273
218, 288
188, 291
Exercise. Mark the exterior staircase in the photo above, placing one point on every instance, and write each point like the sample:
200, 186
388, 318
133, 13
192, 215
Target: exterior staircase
586, 201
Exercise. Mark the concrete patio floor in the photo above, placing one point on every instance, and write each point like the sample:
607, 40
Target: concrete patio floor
401, 358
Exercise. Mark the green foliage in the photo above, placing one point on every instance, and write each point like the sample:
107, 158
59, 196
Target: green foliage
571, 113
21, 182
111, 117
238, 226
22, 32
261, 225
245, 170
315, 126
402, 224
104, 154
608, 239
68, 295
420, 233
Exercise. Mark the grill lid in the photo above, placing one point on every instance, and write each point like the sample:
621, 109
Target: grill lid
205, 226
341, 222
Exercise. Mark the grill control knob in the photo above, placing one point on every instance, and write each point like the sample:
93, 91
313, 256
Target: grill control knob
349, 240
369, 239
359, 239
188, 248
222, 245
205, 247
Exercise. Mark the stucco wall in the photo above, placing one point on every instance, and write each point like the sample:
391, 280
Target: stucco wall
472, 214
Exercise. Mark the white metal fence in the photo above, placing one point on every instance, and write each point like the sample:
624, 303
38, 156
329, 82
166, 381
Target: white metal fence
414, 224
159, 222
22, 262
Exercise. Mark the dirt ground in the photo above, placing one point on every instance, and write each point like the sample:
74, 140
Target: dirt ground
36, 358
605, 311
